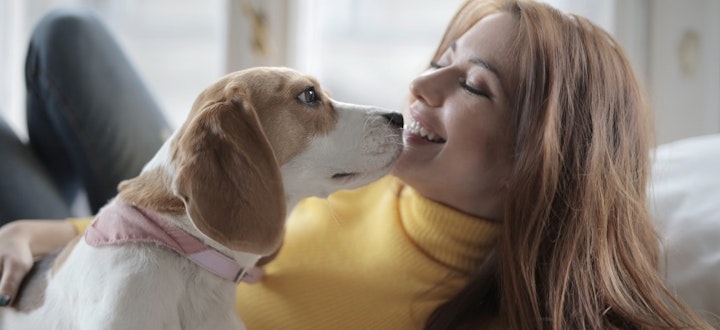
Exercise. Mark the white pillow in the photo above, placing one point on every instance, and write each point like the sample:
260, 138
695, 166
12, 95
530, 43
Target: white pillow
684, 200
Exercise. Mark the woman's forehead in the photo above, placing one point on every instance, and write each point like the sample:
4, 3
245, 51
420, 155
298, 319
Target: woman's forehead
489, 41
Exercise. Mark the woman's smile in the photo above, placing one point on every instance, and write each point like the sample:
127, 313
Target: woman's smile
414, 129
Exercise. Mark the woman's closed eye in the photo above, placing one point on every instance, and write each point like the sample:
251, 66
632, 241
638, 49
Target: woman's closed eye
477, 91
463, 82
471, 89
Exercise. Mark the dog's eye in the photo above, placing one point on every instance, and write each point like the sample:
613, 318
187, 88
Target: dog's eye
309, 96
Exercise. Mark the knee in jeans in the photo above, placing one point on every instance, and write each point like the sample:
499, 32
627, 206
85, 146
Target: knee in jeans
62, 22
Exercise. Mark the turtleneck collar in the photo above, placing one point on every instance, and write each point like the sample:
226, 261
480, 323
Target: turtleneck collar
450, 237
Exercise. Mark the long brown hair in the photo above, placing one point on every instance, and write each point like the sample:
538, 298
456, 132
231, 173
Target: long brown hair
578, 249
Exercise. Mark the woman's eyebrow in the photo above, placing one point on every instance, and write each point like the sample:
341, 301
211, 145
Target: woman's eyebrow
480, 62
484, 64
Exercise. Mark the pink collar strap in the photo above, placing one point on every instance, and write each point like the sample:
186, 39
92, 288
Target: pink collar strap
120, 223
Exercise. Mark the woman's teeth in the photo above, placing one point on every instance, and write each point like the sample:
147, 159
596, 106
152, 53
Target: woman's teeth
415, 128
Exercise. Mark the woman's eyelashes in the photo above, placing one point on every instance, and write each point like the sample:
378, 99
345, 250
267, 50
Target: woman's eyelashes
463, 83
473, 90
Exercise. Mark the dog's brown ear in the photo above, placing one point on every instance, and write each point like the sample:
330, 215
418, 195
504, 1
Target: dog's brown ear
229, 179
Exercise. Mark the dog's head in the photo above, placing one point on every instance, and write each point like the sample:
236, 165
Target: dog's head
321, 145
259, 139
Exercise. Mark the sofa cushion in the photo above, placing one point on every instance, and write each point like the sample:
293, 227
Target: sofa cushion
684, 200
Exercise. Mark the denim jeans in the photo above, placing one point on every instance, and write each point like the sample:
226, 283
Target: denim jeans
92, 122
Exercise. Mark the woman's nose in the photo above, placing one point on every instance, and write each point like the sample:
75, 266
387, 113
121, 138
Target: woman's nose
428, 88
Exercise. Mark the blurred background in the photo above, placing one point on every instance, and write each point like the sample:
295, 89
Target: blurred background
367, 51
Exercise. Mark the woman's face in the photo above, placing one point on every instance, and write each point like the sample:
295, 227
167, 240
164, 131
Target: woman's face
458, 137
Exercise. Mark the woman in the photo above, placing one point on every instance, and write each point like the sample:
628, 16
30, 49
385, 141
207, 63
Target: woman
519, 201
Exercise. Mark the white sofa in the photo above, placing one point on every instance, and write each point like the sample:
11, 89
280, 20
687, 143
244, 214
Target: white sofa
685, 202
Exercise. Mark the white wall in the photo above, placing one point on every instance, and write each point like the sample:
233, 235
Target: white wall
675, 47
684, 67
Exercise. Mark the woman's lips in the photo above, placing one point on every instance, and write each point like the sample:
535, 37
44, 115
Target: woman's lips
414, 127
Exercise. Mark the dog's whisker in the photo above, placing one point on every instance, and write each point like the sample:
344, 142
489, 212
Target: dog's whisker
366, 124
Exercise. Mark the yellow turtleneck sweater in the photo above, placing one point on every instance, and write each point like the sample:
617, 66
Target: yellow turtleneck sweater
379, 257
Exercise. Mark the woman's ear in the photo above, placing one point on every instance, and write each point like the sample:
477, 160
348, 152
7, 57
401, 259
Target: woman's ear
229, 179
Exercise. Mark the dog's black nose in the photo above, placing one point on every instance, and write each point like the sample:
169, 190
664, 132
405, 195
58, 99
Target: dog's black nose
395, 119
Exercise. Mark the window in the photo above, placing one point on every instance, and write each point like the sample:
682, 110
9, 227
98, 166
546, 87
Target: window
368, 51
176, 45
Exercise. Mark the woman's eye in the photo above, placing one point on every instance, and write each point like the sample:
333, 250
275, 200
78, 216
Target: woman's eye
473, 90
309, 96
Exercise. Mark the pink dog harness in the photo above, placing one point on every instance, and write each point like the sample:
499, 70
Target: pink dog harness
120, 223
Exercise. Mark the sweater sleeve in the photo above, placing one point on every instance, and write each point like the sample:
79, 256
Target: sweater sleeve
80, 223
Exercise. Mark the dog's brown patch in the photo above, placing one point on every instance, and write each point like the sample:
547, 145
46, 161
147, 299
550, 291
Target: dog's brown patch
228, 177
152, 190
288, 124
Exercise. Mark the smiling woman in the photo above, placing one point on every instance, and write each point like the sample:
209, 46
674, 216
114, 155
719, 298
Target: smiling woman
462, 111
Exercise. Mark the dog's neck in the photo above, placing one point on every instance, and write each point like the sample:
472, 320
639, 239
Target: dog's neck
119, 223
152, 190
292, 199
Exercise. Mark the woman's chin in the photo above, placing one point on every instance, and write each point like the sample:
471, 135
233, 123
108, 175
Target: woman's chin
406, 168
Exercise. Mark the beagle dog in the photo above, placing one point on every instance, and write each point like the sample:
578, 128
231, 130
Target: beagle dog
166, 253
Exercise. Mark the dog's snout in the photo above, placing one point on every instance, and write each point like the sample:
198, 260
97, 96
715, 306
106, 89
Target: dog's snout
395, 119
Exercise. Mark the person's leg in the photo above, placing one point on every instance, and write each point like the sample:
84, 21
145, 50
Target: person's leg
26, 190
89, 114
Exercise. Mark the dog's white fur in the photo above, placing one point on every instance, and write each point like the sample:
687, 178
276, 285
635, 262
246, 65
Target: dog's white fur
142, 286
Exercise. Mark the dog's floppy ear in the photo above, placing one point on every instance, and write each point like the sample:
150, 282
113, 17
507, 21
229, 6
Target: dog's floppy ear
229, 179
